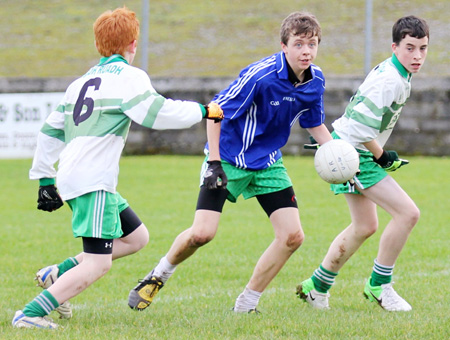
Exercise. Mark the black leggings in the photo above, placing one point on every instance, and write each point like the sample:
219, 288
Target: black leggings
214, 199
129, 221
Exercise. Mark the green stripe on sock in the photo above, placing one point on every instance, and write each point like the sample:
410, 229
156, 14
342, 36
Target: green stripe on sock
323, 279
330, 273
320, 286
381, 274
41, 306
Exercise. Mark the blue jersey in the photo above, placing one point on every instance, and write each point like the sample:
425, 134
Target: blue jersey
261, 106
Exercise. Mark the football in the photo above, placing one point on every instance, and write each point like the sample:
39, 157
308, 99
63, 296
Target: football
336, 161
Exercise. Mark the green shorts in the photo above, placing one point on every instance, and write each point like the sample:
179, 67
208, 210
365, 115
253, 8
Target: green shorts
251, 183
97, 214
370, 174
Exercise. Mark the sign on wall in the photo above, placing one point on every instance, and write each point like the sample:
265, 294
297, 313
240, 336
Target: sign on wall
21, 117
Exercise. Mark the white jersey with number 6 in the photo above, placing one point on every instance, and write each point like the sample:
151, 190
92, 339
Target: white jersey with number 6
88, 130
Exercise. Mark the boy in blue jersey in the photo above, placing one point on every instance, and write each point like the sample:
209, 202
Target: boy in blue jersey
86, 135
260, 107
367, 123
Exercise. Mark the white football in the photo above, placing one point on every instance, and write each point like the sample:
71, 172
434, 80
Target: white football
336, 161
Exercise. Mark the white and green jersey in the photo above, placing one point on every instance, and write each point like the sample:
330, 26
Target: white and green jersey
88, 129
375, 108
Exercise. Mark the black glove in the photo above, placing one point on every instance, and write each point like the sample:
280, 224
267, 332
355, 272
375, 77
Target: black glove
48, 198
389, 160
312, 144
215, 176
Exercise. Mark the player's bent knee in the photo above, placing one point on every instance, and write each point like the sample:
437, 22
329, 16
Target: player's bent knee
143, 238
416, 214
295, 240
413, 216
366, 230
369, 232
408, 217
371, 229
198, 240
136, 240
139, 244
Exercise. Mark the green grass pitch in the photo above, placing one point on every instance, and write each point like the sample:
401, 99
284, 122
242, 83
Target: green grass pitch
196, 301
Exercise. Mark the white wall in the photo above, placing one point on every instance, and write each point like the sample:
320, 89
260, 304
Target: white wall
21, 117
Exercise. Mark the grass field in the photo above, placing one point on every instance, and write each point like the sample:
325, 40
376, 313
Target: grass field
54, 38
195, 302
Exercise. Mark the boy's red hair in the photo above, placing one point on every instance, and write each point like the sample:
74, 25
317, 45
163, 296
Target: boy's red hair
115, 30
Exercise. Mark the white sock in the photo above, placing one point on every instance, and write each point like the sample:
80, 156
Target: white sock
164, 269
247, 300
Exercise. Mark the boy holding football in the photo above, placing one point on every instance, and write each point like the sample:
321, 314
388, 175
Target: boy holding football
86, 134
260, 107
367, 124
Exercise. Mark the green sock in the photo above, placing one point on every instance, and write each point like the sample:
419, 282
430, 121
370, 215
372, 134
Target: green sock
66, 265
323, 279
381, 274
41, 306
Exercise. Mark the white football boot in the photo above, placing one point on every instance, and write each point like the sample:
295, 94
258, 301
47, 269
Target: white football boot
20, 320
386, 297
47, 276
306, 291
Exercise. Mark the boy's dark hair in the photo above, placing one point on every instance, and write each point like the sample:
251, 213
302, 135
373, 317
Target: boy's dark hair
409, 25
298, 23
